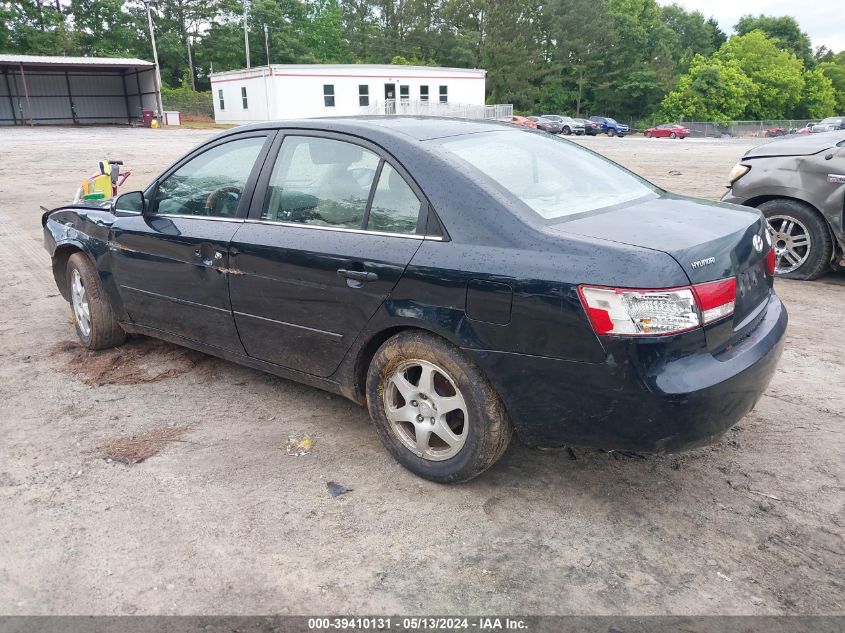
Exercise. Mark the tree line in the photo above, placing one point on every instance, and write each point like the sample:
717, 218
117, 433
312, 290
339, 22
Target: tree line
632, 59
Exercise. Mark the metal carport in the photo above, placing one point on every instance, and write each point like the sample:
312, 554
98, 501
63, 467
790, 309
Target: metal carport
37, 89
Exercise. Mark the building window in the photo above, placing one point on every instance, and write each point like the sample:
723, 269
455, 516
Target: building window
328, 95
444, 94
404, 93
423, 93
244, 101
363, 95
220, 97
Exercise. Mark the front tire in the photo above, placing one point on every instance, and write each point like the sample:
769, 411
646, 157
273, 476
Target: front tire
648, 134
434, 410
96, 323
611, 132
566, 130
673, 135
800, 237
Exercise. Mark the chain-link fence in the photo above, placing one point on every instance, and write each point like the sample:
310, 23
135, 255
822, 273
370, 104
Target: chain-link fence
752, 129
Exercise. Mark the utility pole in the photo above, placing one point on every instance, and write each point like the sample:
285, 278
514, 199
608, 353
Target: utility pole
155, 59
267, 44
246, 31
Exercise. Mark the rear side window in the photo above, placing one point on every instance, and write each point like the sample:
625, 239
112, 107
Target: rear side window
553, 177
321, 182
395, 208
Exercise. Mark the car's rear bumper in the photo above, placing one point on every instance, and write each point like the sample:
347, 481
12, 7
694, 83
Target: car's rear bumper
651, 395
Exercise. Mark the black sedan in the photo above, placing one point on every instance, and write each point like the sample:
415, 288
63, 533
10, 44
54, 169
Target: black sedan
461, 279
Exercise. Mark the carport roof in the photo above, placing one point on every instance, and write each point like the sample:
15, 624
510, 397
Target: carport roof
85, 62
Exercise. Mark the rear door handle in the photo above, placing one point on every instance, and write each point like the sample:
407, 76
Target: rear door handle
357, 275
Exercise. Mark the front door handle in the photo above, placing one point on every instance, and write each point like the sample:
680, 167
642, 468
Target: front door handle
357, 275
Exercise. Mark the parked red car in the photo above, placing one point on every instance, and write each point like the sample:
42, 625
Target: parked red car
523, 121
668, 130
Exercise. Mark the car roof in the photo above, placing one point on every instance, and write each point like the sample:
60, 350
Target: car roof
416, 128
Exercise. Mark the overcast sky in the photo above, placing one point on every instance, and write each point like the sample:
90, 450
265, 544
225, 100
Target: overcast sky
822, 20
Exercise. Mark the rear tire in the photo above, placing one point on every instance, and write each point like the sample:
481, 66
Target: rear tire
416, 377
800, 237
96, 323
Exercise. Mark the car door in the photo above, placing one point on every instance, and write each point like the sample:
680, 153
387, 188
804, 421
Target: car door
171, 262
332, 227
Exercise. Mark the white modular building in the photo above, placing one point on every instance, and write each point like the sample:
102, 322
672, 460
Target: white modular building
297, 91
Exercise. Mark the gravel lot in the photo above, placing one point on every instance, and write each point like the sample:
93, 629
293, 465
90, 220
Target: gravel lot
223, 520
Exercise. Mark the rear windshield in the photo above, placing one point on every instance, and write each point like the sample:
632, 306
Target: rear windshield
553, 177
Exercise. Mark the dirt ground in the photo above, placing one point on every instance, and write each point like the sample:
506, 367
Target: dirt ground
233, 515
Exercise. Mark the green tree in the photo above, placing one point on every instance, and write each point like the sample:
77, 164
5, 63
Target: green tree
713, 89
819, 97
777, 80
511, 54
834, 70
579, 54
693, 34
784, 30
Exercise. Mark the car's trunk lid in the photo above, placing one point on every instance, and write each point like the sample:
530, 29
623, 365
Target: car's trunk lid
709, 241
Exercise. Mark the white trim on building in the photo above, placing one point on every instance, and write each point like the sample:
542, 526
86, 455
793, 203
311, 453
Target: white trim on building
313, 90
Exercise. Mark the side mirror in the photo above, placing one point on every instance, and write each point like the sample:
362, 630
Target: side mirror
131, 203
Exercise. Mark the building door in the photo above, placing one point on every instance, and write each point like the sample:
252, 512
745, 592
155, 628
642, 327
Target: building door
390, 98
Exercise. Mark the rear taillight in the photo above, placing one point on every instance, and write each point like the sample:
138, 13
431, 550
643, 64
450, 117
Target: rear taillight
770, 261
715, 299
639, 312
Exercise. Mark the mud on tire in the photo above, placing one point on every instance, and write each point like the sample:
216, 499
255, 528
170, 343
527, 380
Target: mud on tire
103, 329
486, 431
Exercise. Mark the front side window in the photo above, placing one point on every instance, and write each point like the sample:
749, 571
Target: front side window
220, 97
553, 177
363, 95
244, 101
210, 184
320, 182
328, 95
444, 94
395, 208
423, 93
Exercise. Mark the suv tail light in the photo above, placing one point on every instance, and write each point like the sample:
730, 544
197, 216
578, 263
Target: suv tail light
652, 312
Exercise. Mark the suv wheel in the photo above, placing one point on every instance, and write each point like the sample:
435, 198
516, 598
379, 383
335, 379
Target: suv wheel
800, 237
434, 410
611, 132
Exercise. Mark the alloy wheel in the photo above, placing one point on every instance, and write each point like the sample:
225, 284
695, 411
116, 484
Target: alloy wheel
791, 241
79, 298
426, 410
